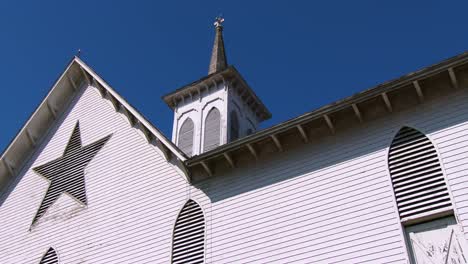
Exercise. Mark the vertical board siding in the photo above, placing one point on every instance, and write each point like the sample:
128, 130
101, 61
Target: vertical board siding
185, 138
133, 194
212, 131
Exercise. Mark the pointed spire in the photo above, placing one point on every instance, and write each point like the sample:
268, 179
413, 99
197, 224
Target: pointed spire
218, 56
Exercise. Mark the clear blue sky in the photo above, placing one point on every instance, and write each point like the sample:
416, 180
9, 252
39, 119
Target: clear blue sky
296, 55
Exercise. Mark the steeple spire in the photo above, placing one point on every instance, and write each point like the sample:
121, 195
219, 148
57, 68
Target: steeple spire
218, 56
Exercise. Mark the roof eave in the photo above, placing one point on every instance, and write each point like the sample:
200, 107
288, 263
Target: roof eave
173, 98
325, 111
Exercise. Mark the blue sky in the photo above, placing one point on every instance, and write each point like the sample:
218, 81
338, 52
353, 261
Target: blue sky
296, 55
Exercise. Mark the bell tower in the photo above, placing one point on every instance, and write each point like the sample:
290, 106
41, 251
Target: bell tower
216, 109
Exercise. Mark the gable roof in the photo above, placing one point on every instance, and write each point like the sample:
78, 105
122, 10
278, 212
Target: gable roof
75, 76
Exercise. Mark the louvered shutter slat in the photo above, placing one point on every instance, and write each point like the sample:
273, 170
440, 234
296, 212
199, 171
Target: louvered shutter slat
185, 141
212, 137
422, 181
416, 157
411, 146
415, 165
404, 177
418, 193
50, 257
417, 177
427, 208
188, 244
432, 195
423, 150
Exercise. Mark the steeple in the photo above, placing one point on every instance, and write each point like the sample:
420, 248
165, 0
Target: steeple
217, 109
218, 56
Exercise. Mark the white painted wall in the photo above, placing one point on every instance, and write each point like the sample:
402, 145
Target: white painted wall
133, 197
197, 108
247, 118
330, 201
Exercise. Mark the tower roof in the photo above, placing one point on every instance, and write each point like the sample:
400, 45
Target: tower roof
230, 76
218, 60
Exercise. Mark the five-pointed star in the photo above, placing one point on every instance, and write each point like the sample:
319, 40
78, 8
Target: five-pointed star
66, 174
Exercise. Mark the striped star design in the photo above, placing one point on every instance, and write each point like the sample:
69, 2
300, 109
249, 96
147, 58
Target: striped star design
66, 173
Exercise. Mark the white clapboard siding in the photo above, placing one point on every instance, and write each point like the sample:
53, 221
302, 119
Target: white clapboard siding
326, 202
50, 257
332, 201
133, 195
212, 133
185, 139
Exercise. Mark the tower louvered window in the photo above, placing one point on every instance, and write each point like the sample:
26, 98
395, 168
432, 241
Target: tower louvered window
185, 141
417, 176
50, 257
212, 130
189, 235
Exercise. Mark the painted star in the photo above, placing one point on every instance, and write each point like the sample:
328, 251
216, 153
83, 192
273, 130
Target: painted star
66, 174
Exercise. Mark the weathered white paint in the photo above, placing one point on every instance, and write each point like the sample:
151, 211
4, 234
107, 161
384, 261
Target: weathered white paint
327, 201
438, 241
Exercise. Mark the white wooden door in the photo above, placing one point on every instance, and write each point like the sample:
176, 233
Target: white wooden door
437, 242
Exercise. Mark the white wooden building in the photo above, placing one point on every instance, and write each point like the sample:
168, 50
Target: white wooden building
378, 177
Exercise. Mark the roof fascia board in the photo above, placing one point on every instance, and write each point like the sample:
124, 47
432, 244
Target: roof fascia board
42, 104
133, 111
20, 149
336, 106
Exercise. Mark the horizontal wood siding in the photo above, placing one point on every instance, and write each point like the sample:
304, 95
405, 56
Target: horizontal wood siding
134, 197
326, 202
332, 201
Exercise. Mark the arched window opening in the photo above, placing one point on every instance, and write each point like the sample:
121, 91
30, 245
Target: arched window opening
234, 126
185, 141
50, 257
423, 199
188, 244
417, 176
212, 130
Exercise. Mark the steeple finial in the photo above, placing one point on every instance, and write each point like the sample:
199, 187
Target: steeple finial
218, 21
218, 56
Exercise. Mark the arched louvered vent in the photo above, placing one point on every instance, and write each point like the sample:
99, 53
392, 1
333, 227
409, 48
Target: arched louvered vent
212, 130
185, 141
189, 235
50, 257
416, 174
234, 126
